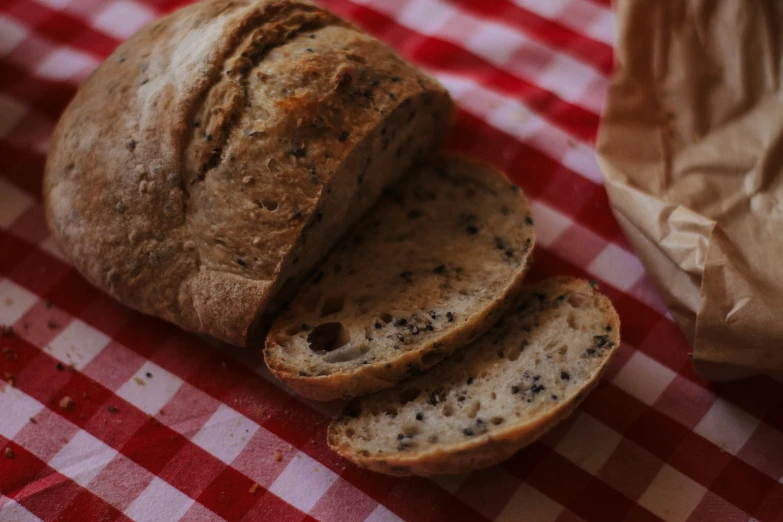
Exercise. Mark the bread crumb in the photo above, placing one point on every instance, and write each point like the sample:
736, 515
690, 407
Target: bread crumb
9, 453
254, 488
67, 403
113, 409
278, 456
139, 381
8, 301
33, 420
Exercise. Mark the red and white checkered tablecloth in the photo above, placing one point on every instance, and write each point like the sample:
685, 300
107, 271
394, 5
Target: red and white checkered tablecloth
109, 415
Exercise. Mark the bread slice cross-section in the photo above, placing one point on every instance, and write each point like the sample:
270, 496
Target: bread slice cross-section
494, 396
431, 268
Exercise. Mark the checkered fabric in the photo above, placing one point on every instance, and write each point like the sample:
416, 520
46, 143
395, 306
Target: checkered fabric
106, 414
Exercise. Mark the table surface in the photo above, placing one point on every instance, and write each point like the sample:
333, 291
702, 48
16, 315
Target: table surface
161, 425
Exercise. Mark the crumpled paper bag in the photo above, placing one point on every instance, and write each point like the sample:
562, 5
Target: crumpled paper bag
691, 146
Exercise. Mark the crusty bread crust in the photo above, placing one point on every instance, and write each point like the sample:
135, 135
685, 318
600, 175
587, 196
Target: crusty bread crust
190, 175
490, 448
506, 212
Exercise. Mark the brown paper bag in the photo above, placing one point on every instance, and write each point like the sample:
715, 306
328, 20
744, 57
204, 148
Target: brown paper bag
691, 145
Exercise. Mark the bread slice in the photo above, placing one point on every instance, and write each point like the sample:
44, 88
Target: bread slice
493, 397
215, 157
429, 269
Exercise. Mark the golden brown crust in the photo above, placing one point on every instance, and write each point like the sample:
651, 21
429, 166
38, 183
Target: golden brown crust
490, 448
185, 172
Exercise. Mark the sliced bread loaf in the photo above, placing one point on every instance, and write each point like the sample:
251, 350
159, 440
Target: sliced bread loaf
493, 397
429, 269
214, 158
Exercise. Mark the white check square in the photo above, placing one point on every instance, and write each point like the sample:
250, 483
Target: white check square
225, 434
303, 482
672, 496
65, 63
82, 458
494, 42
382, 514
15, 301
14, 512
13, 35
536, 506
78, 344
550, 223
160, 501
588, 443
644, 378
423, 17
151, 388
617, 266
727, 426
17, 408
122, 18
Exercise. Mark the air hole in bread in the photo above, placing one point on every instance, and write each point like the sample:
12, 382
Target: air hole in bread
269, 204
514, 352
390, 410
386, 318
332, 305
493, 396
573, 322
430, 358
408, 395
346, 354
327, 337
576, 300
563, 350
273, 165
356, 58
496, 420
293, 329
448, 410
350, 433
410, 430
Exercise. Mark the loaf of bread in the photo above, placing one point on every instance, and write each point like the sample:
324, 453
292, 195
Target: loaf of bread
212, 161
430, 268
494, 396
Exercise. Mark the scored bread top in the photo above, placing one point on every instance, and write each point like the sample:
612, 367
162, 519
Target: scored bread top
428, 269
492, 397
185, 172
